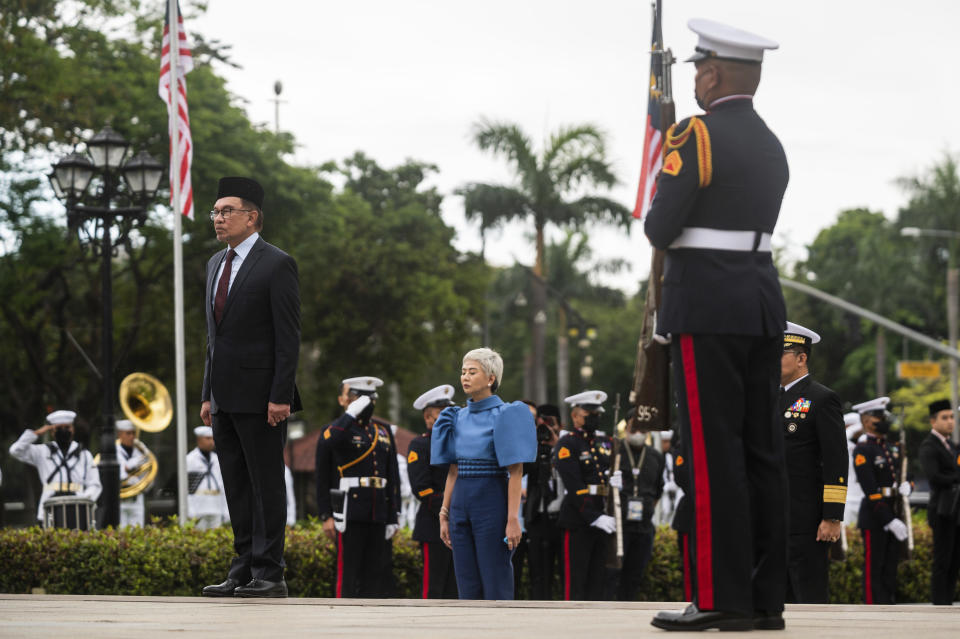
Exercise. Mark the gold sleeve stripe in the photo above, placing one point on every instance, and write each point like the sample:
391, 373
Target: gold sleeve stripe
834, 494
704, 152
425, 492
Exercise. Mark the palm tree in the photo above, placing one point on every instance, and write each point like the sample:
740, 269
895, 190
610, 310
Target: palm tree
550, 188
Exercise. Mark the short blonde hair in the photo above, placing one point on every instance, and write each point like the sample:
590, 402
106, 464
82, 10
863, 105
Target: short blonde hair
490, 361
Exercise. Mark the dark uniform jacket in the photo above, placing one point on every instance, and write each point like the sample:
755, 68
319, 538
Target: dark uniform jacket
723, 170
648, 483
816, 451
427, 483
541, 486
942, 469
877, 464
579, 466
350, 449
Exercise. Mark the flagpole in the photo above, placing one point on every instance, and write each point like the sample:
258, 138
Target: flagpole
174, 127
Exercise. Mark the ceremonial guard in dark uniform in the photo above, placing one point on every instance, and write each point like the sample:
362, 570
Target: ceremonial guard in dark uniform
717, 203
877, 464
683, 517
585, 527
428, 483
365, 500
641, 472
816, 467
940, 459
541, 510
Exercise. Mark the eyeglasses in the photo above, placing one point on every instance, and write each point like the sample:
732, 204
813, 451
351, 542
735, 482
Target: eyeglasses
226, 212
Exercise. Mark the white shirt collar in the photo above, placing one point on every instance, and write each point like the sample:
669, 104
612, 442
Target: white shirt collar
243, 248
794, 383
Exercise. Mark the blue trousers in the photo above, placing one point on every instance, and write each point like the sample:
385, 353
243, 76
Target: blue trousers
478, 520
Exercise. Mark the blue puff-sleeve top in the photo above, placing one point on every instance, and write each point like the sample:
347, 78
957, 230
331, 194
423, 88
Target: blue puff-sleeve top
489, 429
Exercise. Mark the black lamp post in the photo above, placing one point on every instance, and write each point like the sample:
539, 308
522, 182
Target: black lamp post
70, 179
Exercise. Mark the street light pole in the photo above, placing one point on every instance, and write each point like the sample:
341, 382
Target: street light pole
70, 178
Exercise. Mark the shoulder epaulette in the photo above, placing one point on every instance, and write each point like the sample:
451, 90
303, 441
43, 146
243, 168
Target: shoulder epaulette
678, 135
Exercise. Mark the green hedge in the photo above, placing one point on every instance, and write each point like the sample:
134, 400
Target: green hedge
173, 560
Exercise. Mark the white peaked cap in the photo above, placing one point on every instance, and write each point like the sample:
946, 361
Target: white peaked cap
363, 384
879, 403
717, 40
438, 396
589, 400
61, 417
203, 431
124, 425
796, 334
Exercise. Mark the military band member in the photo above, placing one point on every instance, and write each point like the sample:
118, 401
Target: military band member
717, 202
206, 501
940, 459
130, 458
585, 526
854, 431
427, 483
363, 455
65, 467
877, 464
641, 471
667, 506
816, 468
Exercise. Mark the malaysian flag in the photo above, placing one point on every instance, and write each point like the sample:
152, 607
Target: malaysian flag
179, 166
653, 137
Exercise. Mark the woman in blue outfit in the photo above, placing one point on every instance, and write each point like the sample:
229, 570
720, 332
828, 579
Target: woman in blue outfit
486, 445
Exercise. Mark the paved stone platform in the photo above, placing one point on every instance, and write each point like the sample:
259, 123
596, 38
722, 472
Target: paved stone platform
77, 616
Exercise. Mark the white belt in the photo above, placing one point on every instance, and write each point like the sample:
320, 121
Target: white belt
696, 237
363, 482
207, 491
72, 487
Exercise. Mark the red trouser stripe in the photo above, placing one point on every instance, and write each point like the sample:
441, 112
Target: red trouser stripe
339, 565
426, 569
687, 591
701, 478
867, 568
566, 565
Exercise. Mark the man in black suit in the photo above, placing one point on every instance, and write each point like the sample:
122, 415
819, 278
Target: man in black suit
940, 460
816, 467
253, 341
717, 202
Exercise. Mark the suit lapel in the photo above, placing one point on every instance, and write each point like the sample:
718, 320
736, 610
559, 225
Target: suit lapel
245, 267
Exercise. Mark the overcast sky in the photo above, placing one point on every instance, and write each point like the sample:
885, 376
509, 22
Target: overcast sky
859, 92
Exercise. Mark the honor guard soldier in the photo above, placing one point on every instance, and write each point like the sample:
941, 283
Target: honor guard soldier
877, 464
365, 501
65, 467
716, 205
428, 483
940, 460
816, 468
130, 458
585, 526
641, 473
206, 501
683, 517
541, 509
851, 511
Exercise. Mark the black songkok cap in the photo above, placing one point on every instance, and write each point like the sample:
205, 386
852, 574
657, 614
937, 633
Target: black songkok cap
939, 405
241, 187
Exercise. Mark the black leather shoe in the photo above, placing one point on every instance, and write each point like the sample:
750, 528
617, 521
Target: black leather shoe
694, 619
262, 588
221, 590
763, 620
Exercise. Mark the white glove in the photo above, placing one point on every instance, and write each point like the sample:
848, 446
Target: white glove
391, 530
905, 488
356, 406
897, 528
607, 524
616, 480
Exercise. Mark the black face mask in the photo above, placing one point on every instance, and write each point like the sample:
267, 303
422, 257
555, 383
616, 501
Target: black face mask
699, 103
882, 427
591, 421
366, 413
63, 437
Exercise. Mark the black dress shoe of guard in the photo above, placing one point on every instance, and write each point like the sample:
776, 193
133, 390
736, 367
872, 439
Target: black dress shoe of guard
262, 588
764, 620
221, 590
694, 619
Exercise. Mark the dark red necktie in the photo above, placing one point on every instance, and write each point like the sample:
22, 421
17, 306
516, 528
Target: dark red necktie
223, 286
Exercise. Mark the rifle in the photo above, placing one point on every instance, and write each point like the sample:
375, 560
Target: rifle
650, 395
617, 514
904, 499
